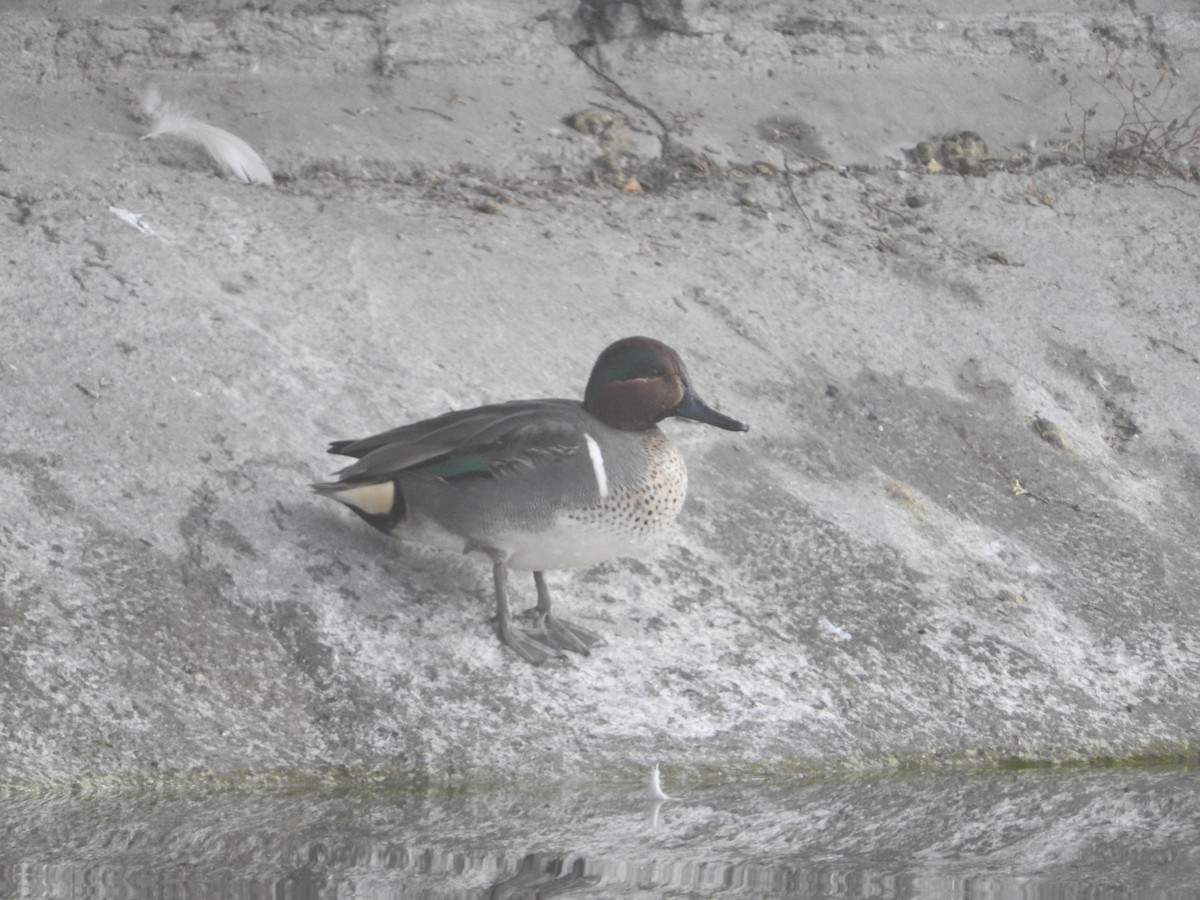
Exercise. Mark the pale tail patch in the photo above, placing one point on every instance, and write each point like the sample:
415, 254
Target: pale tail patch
597, 465
373, 499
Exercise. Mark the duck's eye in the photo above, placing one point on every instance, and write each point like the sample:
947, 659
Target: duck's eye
648, 371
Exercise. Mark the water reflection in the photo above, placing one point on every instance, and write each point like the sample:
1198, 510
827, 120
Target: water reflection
1031, 835
541, 875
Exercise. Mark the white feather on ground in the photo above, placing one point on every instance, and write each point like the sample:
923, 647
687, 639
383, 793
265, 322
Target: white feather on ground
137, 220
228, 149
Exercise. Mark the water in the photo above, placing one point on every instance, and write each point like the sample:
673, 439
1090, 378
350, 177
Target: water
1061, 835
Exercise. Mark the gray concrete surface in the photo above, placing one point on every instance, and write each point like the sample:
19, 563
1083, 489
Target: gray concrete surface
962, 528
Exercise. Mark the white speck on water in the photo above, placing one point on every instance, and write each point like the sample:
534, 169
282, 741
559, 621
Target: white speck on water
654, 785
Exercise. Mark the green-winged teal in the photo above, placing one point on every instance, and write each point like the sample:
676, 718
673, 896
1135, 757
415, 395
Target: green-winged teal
537, 484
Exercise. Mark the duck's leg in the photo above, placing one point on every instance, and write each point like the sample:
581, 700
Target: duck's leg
559, 632
532, 650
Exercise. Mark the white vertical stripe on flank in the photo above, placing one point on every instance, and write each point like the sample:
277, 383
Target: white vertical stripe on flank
597, 465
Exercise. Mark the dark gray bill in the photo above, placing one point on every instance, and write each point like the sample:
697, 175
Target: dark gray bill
692, 407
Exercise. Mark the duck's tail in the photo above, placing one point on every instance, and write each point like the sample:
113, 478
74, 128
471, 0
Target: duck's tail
379, 504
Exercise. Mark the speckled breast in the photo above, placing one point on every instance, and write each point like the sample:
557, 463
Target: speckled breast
636, 508
643, 492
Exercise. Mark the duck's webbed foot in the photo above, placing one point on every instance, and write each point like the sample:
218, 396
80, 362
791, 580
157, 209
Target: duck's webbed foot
559, 633
530, 645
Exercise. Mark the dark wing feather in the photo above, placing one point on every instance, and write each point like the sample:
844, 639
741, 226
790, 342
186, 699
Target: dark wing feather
486, 441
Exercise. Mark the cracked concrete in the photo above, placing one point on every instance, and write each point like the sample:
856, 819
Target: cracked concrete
961, 528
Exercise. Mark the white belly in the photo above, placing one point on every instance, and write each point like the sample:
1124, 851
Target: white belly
572, 544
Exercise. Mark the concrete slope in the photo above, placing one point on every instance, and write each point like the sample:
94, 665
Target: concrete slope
963, 525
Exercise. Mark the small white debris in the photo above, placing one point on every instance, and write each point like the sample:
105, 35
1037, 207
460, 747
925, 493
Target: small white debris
832, 630
654, 785
137, 220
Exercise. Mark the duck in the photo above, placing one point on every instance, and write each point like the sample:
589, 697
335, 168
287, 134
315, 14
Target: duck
537, 485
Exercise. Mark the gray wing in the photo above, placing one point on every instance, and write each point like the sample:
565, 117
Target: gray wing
486, 441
